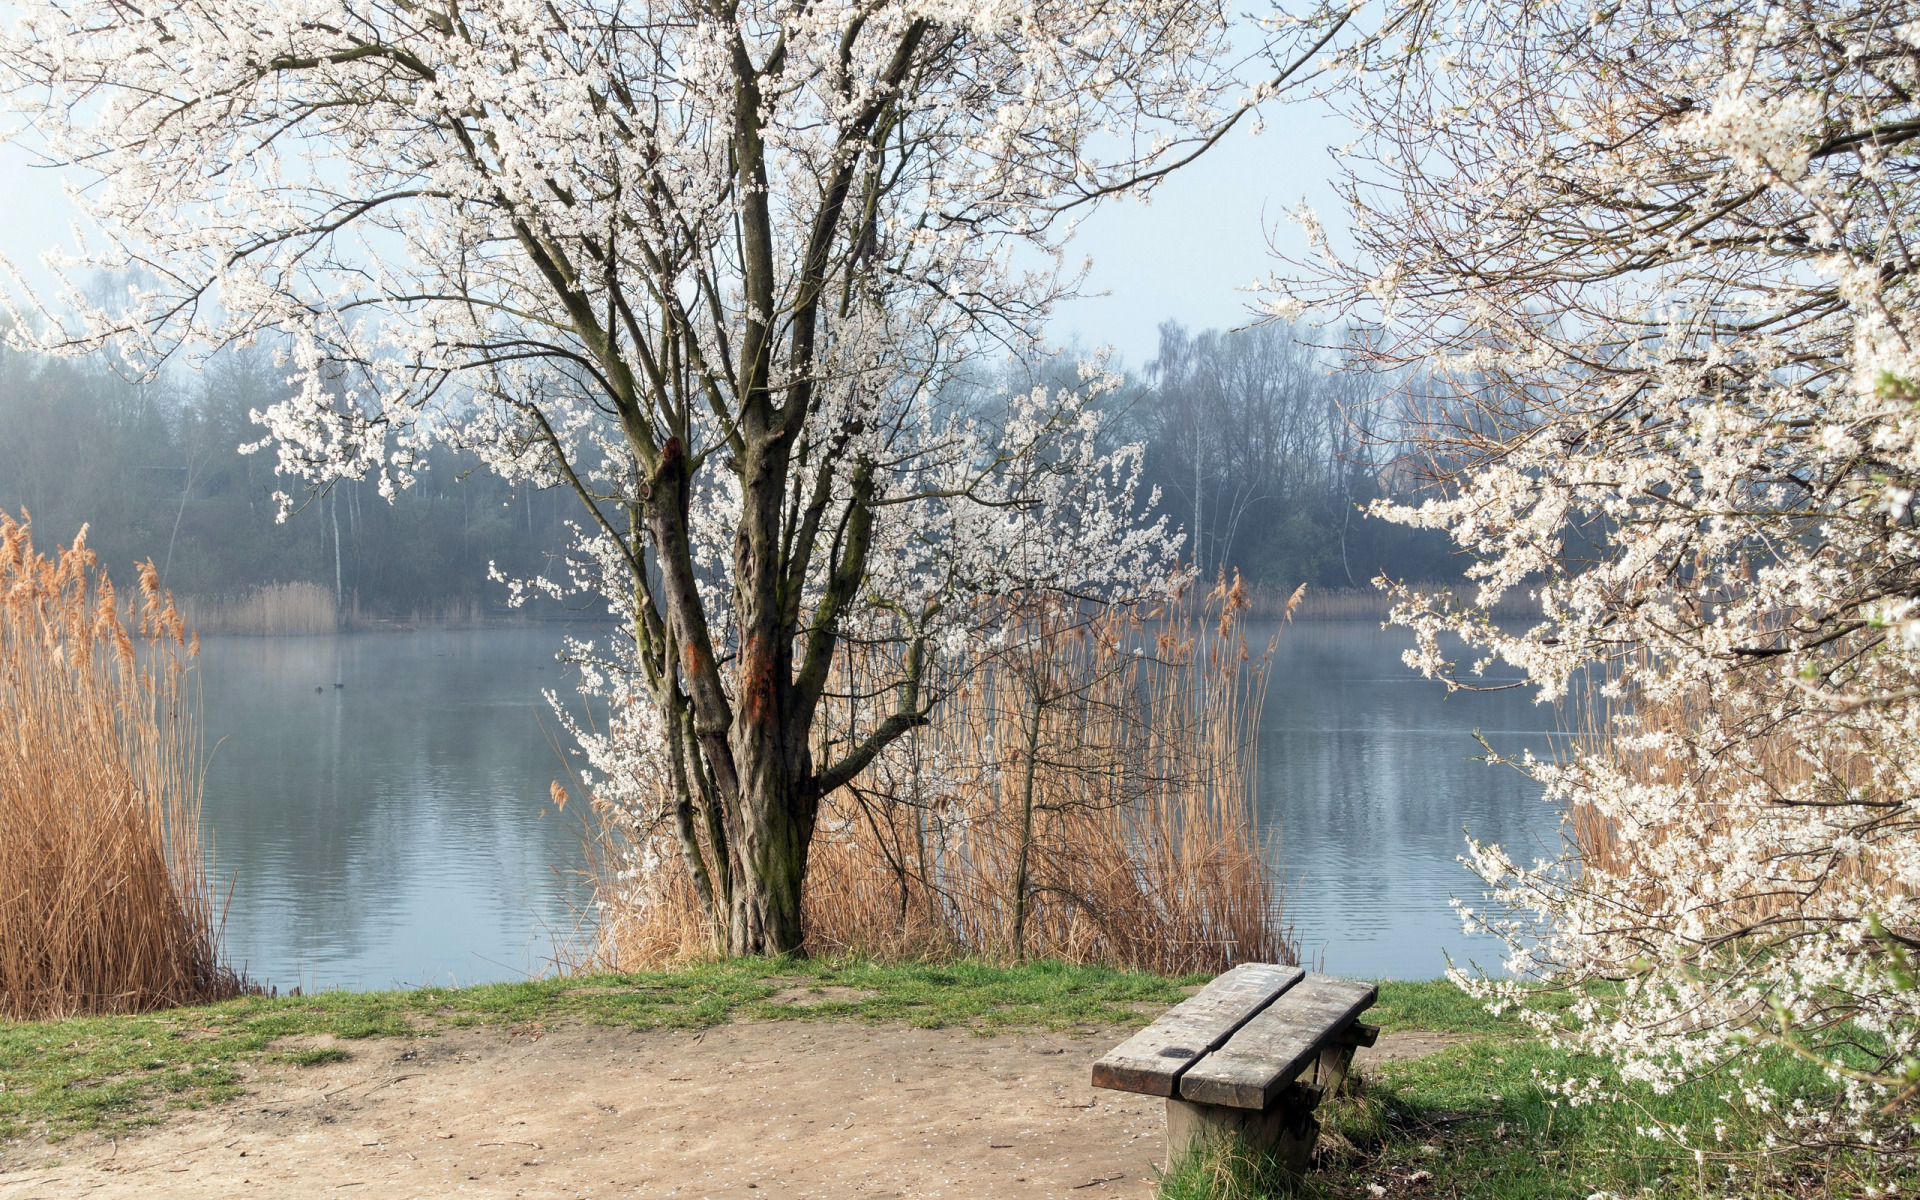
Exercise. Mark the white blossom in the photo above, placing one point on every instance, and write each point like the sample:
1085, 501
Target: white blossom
1655, 276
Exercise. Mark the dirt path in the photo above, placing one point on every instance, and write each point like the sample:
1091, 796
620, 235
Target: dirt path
761, 1110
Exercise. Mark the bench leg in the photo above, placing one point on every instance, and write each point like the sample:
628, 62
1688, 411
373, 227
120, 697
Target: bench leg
1288, 1130
1336, 1062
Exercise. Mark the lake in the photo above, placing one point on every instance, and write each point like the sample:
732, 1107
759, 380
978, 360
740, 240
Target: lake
396, 829
1371, 777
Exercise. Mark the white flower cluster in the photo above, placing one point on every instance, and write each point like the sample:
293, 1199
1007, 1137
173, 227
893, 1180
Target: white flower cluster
1655, 267
417, 202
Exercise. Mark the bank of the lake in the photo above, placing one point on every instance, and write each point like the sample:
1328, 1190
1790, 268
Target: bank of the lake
1461, 1113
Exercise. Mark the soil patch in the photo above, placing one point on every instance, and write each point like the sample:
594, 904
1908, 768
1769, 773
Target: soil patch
1400, 1047
748, 1111
815, 995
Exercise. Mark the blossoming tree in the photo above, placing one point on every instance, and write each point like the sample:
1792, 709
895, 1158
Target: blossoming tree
707, 264
1662, 259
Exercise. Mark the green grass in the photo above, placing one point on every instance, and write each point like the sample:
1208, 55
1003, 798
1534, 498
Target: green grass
1473, 1121
1437, 1007
1226, 1170
58, 1077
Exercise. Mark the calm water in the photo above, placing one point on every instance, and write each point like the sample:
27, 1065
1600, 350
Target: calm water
396, 829
1370, 773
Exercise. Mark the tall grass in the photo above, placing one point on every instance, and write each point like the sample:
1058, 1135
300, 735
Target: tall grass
104, 900
273, 609
1666, 761
289, 609
1270, 602
1087, 797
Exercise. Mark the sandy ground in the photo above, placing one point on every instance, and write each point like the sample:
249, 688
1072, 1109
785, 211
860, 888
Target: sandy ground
767, 1110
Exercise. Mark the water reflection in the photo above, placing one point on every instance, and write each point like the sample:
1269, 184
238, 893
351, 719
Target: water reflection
1370, 773
388, 830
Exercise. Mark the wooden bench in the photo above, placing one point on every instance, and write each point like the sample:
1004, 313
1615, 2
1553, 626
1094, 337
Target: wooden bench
1250, 1055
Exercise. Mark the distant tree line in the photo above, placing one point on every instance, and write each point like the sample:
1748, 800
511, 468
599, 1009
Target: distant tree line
1267, 454
1266, 450
1264, 454
154, 470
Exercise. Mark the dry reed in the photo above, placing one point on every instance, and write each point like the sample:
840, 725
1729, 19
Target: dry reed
104, 899
466, 613
1085, 796
1767, 753
1268, 602
274, 609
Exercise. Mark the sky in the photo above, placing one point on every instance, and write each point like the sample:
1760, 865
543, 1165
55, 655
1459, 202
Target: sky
1207, 233
1210, 230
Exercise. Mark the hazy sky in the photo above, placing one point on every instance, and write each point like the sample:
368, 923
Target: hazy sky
1208, 233
1183, 256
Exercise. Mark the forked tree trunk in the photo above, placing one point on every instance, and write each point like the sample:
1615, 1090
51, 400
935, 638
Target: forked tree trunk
755, 743
769, 739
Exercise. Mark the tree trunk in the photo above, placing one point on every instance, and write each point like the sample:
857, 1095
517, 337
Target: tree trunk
755, 743
766, 916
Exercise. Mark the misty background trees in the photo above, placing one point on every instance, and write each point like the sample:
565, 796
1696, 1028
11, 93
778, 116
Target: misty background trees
155, 471
1262, 453
1265, 453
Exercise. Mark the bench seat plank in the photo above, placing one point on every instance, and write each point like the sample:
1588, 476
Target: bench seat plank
1270, 1050
1152, 1060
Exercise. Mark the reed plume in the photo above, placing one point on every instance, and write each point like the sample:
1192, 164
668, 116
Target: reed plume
105, 904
